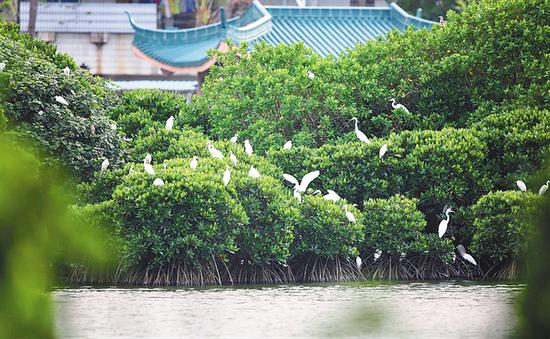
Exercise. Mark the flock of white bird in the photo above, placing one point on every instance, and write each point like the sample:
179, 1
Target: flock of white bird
300, 187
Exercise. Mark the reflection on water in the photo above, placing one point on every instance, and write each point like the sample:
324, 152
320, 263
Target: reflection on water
411, 310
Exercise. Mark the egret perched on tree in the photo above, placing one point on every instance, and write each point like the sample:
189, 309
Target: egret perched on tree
444, 223
226, 176
158, 182
61, 100
248, 147
233, 158
360, 135
358, 262
2, 66
113, 126
104, 164
383, 151
169, 123
377, 254
253, 173
67, 71
310, 74
234, 138
521, 185
148, 159
194, 163
298, 196
398, 106
349, 215
306, 180
149, 168
214, 153
544, 188
462, 252
331, 196
442, 21
287, 145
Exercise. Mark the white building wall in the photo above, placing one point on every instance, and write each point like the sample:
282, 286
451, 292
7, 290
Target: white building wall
115, 57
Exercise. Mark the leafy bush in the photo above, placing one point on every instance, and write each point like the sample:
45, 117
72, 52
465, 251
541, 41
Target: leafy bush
79, 133
268, 97
272, 216
189, 220
395, 227
139, 111
502, 227
518, 141
325, 231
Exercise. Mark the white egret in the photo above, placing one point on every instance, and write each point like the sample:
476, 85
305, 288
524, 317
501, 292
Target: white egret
398, 106
104, 164
377, 254
521, 185
444, 223
214, 152
442, 21
383, 151
287, 145
349, 215
194, 163
164, 166
298, 196
149, 168
253, 173
233, 158
331, 196
306, 180
359, 262
41, 112
2, 66
310, 74
301, 3
113, 126
158, 182
67, 71
462, 252
248, 147
544, 188
360, 135
170, 123
234, 138
226, 176
61, 100
148, 159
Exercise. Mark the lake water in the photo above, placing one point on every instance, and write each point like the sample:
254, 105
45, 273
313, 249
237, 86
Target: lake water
366, 310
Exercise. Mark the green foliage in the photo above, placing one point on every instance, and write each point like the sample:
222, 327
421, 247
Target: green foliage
534, 320
78, 134
272, 216
268, 98
518, 141
139, 111
36, 231
502, 226
478, 60
325, 231
395, 227
191, 219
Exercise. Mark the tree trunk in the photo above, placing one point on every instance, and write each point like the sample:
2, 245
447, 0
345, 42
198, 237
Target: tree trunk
32, 17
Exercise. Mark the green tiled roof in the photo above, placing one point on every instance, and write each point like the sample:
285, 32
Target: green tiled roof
327, 30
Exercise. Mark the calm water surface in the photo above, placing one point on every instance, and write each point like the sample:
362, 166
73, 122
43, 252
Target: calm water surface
404, 310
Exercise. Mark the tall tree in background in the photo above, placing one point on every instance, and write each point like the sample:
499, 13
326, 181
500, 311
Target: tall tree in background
33, 9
